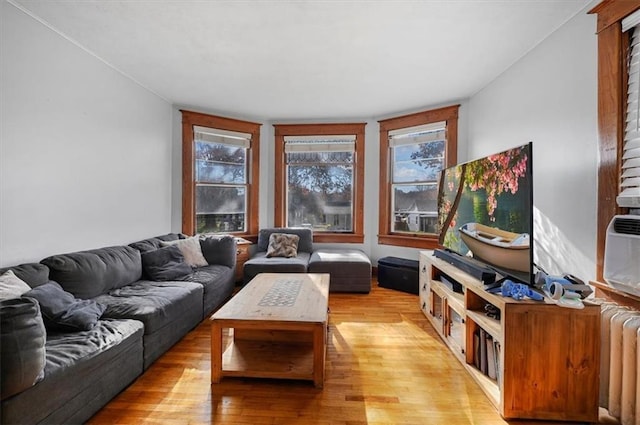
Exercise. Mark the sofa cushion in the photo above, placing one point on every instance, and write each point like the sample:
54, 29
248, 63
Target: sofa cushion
33, 274
190, 248
22, 338
62, 311
218, 282
305, 244
220, 250
87, 274
11, 286
165, 264
154, 243
283, 245
156, 304
83, 371
259, 263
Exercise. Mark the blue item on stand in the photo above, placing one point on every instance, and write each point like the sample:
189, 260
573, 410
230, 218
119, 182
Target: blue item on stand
518, 291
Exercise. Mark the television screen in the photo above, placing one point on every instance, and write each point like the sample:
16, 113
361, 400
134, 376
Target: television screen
485, 211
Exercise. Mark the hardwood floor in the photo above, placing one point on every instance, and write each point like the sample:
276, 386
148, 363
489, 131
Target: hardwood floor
385, 365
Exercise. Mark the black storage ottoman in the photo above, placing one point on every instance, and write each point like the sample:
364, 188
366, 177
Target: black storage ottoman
398, 273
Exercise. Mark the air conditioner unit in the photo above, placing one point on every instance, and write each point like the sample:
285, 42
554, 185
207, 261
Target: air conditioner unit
622, 254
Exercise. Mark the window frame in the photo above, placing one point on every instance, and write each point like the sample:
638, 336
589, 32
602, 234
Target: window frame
612, 88
191, 119
327, 129
449, 114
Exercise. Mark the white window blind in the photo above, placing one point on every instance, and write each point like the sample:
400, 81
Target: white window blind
225, 137
344, 143
629, 195
419, 134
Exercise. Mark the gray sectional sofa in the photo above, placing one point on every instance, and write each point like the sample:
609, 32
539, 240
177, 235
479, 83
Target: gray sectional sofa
136, 317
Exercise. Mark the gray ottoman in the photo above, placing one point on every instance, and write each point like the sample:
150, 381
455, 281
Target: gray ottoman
350, 269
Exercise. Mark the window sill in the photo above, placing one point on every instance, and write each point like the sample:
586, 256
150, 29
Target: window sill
338, 238
408, 241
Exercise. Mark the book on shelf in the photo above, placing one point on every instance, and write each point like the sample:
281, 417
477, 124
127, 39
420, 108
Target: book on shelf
476, 349
491, 358
497, 358
483, 351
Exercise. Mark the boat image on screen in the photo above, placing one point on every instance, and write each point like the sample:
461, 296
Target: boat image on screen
504, 249
485, 211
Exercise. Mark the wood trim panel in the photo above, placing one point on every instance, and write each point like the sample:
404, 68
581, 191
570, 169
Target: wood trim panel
612, 45
607, 292
325, 129
188, 188
189, 119
610, 131
448, 114
613, 11
279, 200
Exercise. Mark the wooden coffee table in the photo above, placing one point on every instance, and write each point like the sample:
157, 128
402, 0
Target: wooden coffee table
279, 327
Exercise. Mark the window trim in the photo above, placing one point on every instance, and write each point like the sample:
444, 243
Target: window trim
448, 114
191, 119
280, 210
612, 45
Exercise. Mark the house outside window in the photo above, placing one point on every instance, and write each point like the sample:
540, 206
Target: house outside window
418, 157
319, 172
220, 175
413, 151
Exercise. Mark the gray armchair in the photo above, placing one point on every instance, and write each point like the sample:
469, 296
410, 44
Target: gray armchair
260, 263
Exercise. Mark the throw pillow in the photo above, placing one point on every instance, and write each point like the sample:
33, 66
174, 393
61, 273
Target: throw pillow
190, 248
61, 311
11, 286
283, 245
22, 338
166, 263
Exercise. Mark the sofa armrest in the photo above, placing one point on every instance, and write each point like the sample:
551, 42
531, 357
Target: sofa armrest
220, 250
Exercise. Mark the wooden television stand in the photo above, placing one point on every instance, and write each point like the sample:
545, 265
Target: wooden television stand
536, 361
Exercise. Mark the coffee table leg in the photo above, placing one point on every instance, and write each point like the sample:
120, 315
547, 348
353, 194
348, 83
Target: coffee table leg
319, 351
216, 352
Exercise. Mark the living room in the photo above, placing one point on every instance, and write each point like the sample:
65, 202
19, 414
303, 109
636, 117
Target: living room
91, 156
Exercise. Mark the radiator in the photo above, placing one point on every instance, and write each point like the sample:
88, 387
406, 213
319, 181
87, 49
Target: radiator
620, 362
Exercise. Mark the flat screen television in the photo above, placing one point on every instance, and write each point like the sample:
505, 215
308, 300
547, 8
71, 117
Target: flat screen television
485, 212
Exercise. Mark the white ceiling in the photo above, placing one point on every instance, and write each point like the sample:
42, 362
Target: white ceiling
306, 59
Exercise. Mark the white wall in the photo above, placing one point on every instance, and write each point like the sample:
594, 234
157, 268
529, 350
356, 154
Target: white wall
85, 153
550, 97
